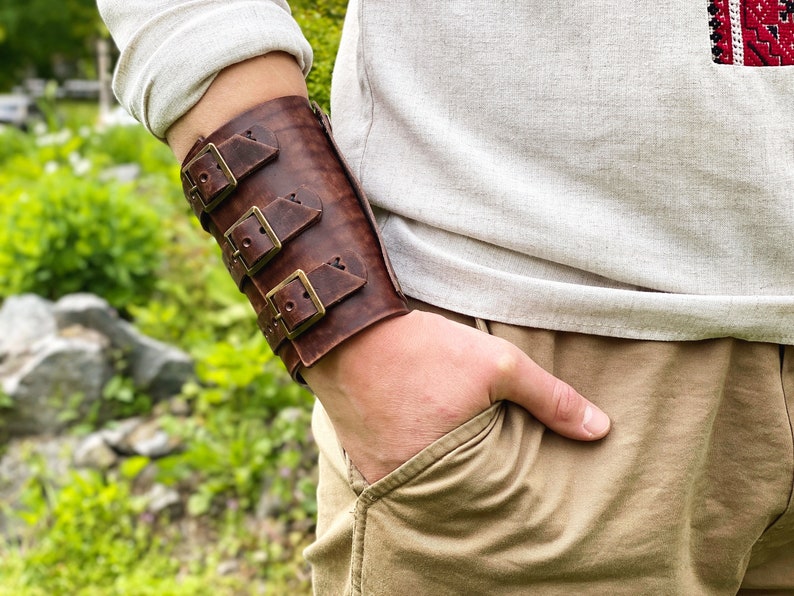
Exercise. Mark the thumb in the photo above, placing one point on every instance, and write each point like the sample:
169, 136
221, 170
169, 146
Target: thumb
552, 401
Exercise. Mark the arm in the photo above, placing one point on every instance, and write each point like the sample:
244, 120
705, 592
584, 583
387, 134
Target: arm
394, 388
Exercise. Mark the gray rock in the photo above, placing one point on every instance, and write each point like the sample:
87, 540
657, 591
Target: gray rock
159, 369
116, 434
155, 367
161, 498
93, 312
55, 360
62, 378
149, 440
227, 567
94, 452
24, 320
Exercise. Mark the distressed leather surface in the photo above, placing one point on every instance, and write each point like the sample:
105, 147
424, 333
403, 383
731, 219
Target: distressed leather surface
273, 190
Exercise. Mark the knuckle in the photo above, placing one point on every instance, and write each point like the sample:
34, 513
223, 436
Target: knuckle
506, 363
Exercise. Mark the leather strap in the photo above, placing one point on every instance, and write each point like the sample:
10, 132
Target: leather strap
295, 230
215, 170
259, 234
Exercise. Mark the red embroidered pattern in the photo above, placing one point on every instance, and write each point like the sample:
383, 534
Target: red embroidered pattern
752, 32
720, 23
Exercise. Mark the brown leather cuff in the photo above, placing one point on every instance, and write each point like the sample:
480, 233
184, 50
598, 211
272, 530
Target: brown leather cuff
295, 230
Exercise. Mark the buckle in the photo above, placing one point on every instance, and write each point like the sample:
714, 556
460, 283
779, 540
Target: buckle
194, 193
264, 226
310, 293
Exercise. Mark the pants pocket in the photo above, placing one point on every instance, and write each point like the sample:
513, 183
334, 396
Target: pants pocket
437, 518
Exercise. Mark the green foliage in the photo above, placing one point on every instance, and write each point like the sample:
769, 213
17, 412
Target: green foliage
132, 145
13, 142
321, 23
33, 34
62, 559
65, 233
93, 536
246, 469
70, 226
249, 433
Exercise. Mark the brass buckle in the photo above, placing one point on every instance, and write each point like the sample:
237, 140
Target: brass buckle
194, 192
312, 294
271, 234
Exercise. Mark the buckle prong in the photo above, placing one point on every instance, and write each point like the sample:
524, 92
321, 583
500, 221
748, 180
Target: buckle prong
194, 193
312, 295
264, 224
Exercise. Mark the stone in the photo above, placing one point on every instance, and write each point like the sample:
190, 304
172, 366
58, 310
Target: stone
60, 381
24, 320
159, 369
228, 567
115, 434
155, 367
162, 498
93, 312
175, 406
56, 359
149, 440
94, 452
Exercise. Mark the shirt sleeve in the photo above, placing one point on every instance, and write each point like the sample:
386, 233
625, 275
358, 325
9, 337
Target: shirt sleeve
171, 50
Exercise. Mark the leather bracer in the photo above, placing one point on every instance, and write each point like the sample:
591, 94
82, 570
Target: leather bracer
296, 232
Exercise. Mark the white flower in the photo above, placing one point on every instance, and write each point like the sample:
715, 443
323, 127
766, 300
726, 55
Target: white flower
55, 138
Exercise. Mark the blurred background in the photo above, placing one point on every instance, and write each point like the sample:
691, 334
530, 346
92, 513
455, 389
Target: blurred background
149, 441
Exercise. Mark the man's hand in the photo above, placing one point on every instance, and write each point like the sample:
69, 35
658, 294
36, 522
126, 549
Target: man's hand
398, 386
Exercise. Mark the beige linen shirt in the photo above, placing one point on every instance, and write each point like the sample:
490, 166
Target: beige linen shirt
580, 166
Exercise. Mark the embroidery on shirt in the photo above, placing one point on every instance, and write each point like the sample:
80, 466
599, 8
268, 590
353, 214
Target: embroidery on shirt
752, 32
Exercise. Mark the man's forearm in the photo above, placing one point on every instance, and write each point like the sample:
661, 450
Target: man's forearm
264, 176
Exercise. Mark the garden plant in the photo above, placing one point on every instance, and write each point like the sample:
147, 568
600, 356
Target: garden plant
70, 225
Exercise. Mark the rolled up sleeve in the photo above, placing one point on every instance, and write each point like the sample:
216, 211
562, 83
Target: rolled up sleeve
171, 50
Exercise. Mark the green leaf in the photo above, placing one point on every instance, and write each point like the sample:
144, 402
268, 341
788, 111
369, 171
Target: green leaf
132, 466
198, 504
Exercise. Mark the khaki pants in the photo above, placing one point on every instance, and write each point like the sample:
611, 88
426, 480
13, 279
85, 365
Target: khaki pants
691, 492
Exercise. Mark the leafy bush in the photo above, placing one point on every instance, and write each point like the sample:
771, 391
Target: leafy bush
13, 142
250, 433
62, 559
247, 462
321, 22
132, 145
67, 234
93, 537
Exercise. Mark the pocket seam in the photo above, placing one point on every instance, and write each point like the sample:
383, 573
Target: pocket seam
433, 454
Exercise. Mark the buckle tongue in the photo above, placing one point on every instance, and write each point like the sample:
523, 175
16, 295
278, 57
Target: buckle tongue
264, 227
194, 193
309, 292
